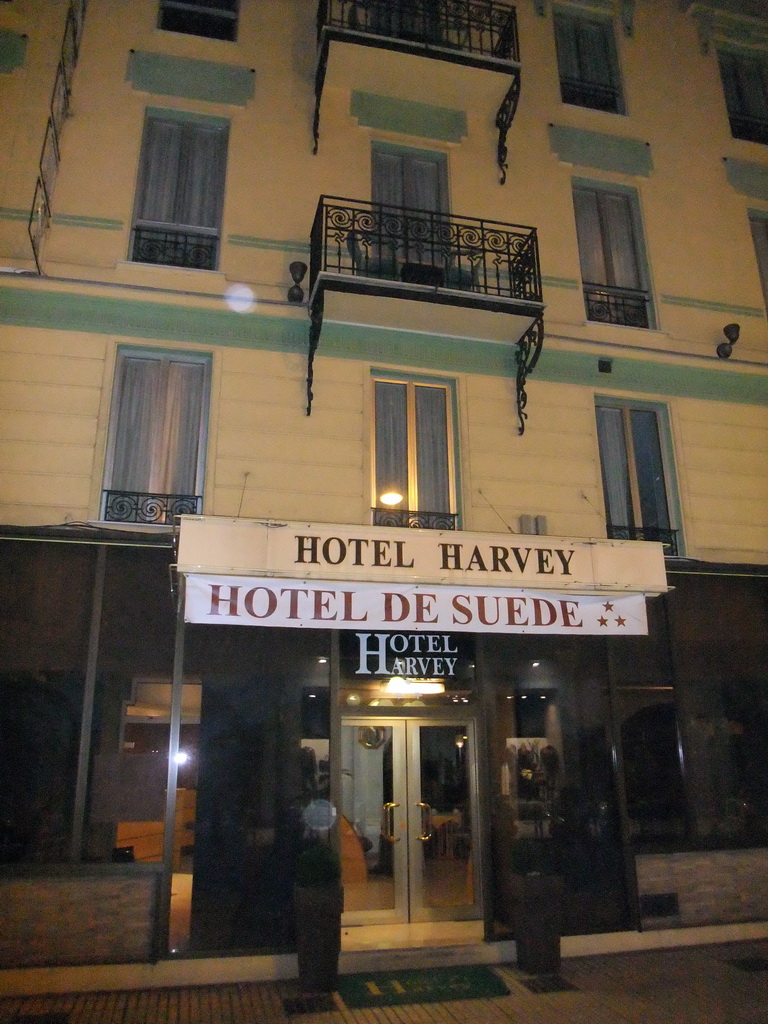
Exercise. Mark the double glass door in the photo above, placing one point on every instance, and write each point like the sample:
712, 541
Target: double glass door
409, 821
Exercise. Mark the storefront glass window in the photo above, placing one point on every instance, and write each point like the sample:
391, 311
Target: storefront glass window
262, 784
718, 631
554, 805
43, 651
125, 812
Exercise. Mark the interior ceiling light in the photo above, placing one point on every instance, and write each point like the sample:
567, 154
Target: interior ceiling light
398, 686
390, 498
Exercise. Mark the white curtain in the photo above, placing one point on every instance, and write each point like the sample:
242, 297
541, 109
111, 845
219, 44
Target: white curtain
432, 450
391, 440
613, 461
606, 237
182, 174
157, 434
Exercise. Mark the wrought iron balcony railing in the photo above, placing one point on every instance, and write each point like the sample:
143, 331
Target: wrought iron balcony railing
414, 520
403, 253
660, 534
594, 95
625, 306
751, 129
157, 509
485, 28
473, 33
50, 155
381, 244
194, 248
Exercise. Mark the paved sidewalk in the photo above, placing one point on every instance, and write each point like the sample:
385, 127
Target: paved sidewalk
723, 984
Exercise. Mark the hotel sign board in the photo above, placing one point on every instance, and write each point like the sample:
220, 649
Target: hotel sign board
219, 546
436, 610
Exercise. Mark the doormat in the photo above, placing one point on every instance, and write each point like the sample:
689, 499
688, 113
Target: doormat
435, 985
541, 983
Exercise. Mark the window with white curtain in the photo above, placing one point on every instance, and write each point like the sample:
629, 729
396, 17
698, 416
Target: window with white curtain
745, 84
157, 435
413, 454
611, 256
587, 62
216, 19
180, 194
635, 477
759, 226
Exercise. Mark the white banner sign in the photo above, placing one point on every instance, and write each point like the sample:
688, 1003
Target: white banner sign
250, 601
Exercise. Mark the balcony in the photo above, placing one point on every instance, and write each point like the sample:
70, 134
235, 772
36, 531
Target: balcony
400, 253
662, 535
608, 305
195, 247
473, 45
149, 509
404, 517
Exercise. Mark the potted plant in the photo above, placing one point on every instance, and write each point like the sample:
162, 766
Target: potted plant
535, 905
318, 900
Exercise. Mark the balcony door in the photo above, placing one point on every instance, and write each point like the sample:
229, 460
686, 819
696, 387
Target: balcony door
409, 821
414, 181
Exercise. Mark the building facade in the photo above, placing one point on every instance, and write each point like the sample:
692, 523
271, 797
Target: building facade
384, 404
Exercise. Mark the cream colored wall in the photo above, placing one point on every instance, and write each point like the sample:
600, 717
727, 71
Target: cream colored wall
55, 385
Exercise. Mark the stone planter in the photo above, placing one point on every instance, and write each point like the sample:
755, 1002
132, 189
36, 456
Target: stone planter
535, 917
318, 935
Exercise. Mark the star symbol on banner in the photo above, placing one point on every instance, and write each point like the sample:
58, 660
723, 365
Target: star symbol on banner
603, 621
608, 606
620, 621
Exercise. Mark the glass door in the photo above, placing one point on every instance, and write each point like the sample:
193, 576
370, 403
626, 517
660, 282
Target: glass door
408, 821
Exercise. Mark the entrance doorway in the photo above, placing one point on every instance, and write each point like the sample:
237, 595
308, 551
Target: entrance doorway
409, 821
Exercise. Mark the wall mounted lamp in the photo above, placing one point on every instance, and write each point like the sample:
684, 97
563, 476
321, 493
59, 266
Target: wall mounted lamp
297, 270
725, 348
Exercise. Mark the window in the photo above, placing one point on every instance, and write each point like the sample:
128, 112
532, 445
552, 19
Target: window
633, 471
759, 226
157, 437
180, 192
587, 62
413, 455
413, 178
216, 19
610, 253
745, 83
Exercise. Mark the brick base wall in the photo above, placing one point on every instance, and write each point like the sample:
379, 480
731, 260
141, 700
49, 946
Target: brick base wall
104, 916
714, 887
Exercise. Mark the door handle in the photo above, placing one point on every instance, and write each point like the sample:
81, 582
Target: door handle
426, 821
388, 822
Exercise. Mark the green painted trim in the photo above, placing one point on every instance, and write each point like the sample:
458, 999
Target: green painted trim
596, 149
73, 220
13, 213
156, 321
408, 118
161, 321
13, 51
272, 244
747, 178
713, 307
561, 282
605, 7
651, 377
187, 117
212, 81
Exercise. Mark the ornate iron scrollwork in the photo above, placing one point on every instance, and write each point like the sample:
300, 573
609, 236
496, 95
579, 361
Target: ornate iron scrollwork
315, 327
527, 355
504, 119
